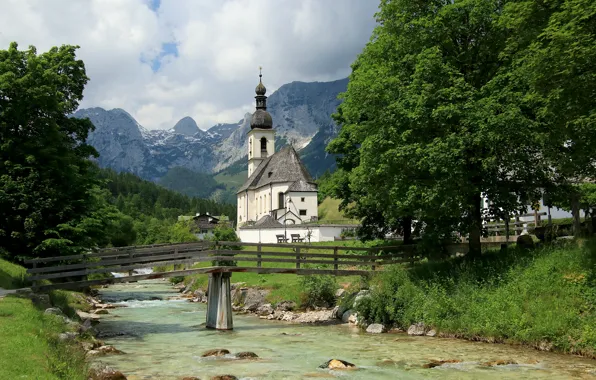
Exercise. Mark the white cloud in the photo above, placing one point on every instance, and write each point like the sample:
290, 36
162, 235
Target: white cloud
220, 46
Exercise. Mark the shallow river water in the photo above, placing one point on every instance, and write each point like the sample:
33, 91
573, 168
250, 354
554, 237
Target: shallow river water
164, 339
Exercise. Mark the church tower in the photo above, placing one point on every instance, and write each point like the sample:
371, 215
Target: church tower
261, 137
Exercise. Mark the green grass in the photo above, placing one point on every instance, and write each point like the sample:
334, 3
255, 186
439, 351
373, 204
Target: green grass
29, 345
329, 212
29, 348
546, 296
12, 276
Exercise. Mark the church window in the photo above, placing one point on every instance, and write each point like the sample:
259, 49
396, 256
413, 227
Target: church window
263, 144
302, 212
280, 200
265, 205
302, 199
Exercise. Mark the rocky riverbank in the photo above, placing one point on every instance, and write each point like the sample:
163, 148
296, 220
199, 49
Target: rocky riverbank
81, 330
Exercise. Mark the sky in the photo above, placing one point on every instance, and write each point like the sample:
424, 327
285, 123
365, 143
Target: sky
162, 60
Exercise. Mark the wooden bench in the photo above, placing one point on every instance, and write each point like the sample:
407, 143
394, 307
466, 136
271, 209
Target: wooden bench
296, 238
281, 238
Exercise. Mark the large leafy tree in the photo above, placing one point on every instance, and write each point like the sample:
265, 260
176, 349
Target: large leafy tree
435, 118
45, 176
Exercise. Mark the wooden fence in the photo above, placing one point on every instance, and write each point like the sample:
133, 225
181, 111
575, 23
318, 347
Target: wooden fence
298, 259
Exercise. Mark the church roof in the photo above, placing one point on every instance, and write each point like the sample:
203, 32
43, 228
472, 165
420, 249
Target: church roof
283, 166
267, 221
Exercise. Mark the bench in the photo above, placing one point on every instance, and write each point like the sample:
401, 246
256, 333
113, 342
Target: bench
281, 238
296, 238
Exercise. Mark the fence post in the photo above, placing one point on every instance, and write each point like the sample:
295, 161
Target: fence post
35, 283
335, 258
298, 258
259, 256
130, 257
506, 219
517, 226
376, 250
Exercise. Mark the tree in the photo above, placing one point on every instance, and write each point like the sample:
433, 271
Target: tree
45, 176
434, 118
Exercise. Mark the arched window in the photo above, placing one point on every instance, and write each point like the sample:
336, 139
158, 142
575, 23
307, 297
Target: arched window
263, 147
265, 205
280, 200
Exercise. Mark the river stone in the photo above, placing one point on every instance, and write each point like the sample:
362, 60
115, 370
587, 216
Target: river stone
101, 312
417, 330
376, 328
265, 309
190, 378
337, 364
349, 316
339, 292
246, 355
105, 350
215, 352
224, 377
438, 363
67, 336
99, 371
286, 306
54, 311
432, 332
84, 316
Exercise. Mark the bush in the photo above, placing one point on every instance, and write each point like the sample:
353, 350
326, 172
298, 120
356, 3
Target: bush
318, 290
520, 296
223, 232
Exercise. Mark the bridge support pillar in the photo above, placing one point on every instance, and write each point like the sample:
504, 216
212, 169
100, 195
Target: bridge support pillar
219, 302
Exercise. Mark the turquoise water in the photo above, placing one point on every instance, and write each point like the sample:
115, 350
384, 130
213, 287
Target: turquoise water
164, 339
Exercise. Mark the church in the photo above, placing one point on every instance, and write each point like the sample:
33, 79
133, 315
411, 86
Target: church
279, 190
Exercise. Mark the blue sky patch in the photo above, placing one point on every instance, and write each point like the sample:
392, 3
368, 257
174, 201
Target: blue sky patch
154, 4
169, 48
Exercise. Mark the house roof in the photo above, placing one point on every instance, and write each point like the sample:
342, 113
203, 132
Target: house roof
283, 166
267, 221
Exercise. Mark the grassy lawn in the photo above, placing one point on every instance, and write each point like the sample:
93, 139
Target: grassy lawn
12, 276
29, 345
329, 212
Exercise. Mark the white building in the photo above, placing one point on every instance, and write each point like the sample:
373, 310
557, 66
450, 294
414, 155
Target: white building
279, 190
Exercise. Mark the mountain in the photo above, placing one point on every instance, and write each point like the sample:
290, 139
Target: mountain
187, 126
301, 116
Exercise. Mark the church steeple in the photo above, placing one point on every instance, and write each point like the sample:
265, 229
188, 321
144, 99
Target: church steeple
261, 118
261, 137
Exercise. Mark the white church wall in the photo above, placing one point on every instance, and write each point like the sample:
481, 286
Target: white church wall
304, 201
556, 213
268, 235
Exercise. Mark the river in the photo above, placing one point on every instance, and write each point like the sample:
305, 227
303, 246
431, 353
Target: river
164, 339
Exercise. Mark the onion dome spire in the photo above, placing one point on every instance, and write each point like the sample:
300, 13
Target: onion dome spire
261, 118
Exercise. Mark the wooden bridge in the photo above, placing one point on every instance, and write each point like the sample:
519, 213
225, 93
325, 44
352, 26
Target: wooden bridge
223, 258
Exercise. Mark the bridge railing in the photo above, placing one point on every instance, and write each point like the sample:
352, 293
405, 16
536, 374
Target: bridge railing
249, 257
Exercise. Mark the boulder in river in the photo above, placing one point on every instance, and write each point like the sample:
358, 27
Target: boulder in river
438, 363
376, 328
417, 330
246, 355
215, 352
265, 309
224, 377
190, 378
104, 350
99, 371
337, 364
349, 316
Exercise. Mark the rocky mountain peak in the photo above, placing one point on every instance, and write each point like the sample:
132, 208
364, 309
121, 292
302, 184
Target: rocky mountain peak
186, 126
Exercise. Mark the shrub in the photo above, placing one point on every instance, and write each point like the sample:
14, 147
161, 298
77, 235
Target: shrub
318, 290
223, 232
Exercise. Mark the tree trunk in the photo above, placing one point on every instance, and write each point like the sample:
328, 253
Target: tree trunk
593, 217
575, 213
475, 246
407, 230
